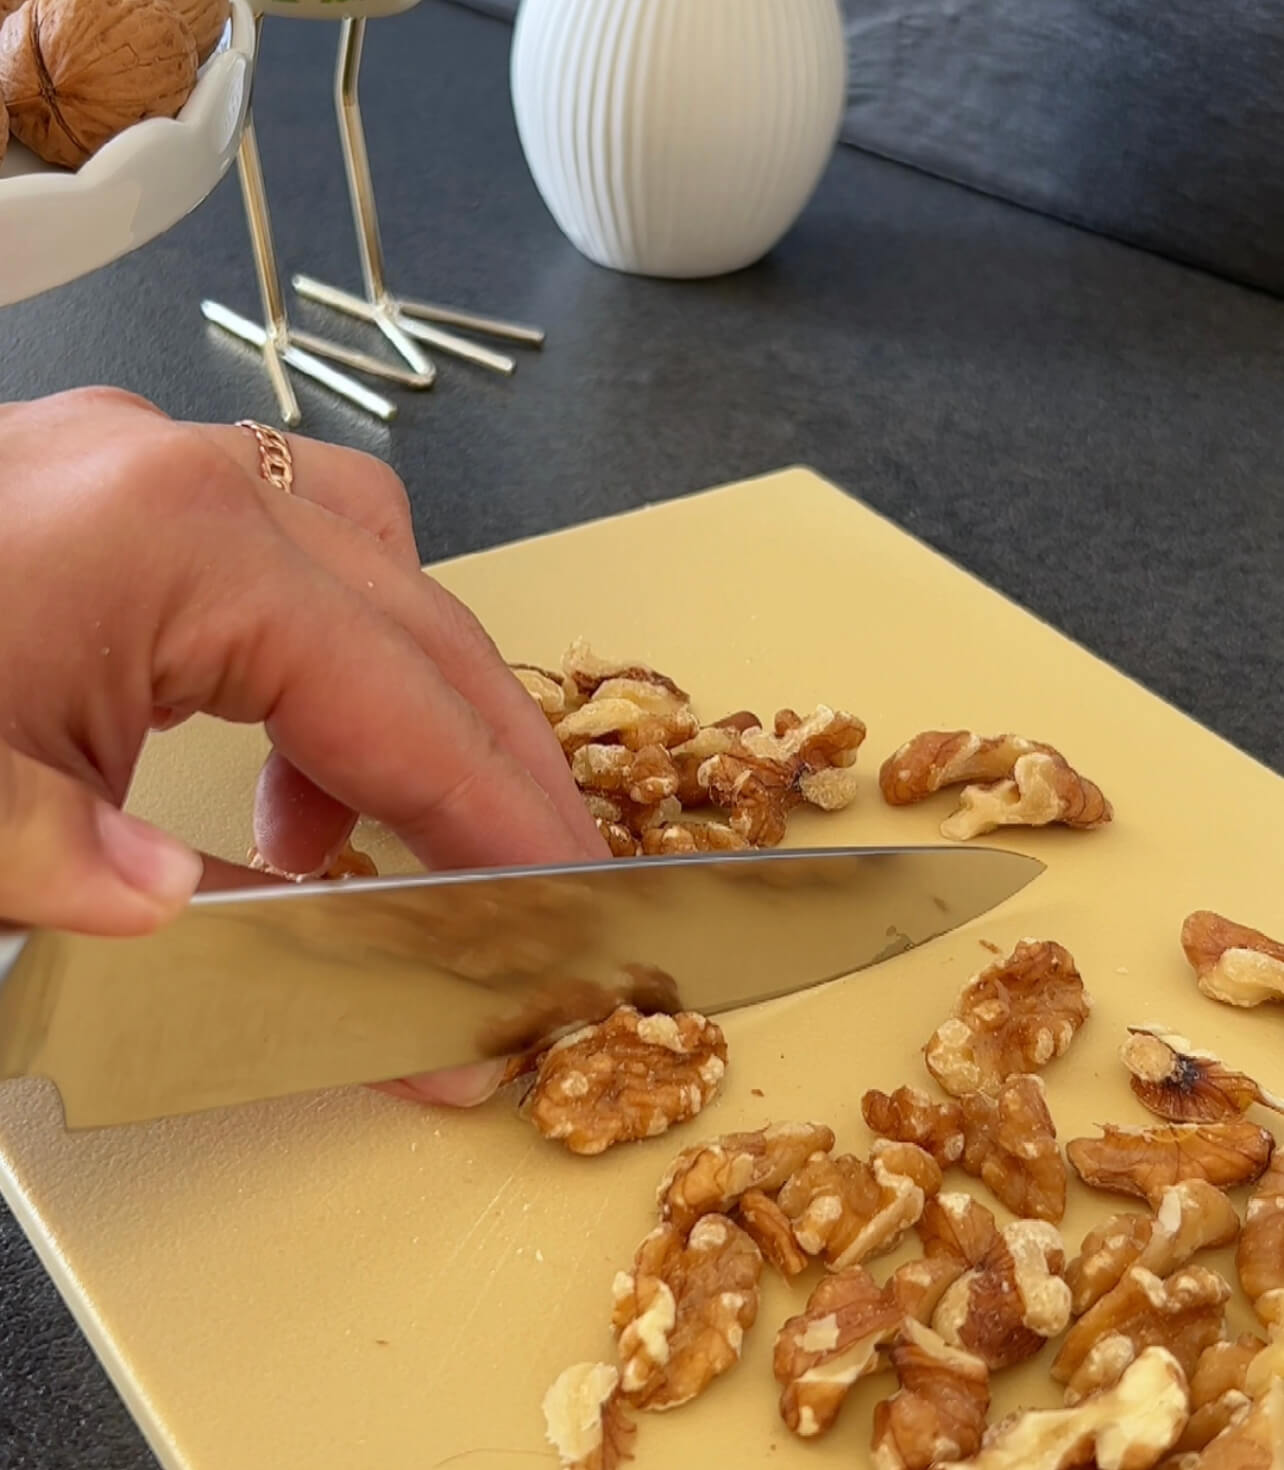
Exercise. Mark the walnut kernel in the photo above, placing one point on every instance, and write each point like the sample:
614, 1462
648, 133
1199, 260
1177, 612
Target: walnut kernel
1260, 1254
1017, 1015
585, 1421
768, 1227
831, 1345
1189, 1217
1183, 1314
1183, 1085
1129, 1427
1146, 1161
682, 1312
1005, 1307
909, 1115
1233, 963
847, 1211
940, 1407
1011, 1144
629, 1077
714, 1176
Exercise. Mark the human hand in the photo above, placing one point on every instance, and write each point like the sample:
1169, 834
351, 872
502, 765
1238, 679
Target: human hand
156, 575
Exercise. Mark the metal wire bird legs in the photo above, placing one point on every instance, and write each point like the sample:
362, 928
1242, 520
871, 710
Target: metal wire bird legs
403, 323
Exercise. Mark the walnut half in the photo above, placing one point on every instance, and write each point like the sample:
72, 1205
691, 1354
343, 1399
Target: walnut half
630, 1077
585, 1421
1233, 963
1146, 1161
1183, 1314
714, 1176
1015, 1298
1129, 1427
683, 1310
1260, 1256
1189, 1217
830, 1345
1017, 1015
1184, 1085
939, 1410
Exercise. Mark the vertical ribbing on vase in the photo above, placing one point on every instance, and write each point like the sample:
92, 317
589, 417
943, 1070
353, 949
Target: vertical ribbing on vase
678, 137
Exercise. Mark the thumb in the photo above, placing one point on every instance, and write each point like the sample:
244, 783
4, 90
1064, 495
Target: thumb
69, 860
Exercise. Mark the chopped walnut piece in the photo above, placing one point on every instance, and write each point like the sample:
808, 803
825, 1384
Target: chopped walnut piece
1217, 1391
1012, 1145
682, 1312
1233, 963
939, 1410
1189, 1217
675, 838
762, 777
1042, 789
1255, 1440
632, 715
1175, 1081
1260, 1256
585, 1422
1145, 1161
348, 862
586, 673
629, 1077
1017, 1015
959, 1227
719, 738
909, 1115
829, 1346
847, 1211
1012, 1300
713, 1176
768, 1227
544, 687
1183, 1313
939, 758
1129, 1427
646, 777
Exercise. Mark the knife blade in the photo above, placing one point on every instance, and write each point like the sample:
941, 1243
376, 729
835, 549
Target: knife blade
272, 991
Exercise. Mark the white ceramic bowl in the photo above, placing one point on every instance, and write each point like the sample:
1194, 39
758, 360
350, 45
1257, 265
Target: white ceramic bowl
56, 225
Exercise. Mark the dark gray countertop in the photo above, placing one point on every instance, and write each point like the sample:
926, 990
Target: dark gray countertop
1094, 431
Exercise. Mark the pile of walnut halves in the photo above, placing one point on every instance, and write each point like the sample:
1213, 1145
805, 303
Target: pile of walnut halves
1152, 1376
645, 762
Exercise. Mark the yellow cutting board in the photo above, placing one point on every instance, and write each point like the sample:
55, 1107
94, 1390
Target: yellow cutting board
347, 1281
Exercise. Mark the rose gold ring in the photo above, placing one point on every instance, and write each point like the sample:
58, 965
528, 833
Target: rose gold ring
276, 462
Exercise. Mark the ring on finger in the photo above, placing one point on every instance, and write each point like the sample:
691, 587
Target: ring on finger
276, 459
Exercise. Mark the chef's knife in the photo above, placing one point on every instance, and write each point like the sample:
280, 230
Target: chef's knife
277, 990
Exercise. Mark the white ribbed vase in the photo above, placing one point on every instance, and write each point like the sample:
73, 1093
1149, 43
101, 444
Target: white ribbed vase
677, 137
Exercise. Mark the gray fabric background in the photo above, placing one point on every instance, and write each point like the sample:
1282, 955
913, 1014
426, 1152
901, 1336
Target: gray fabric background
1158, 122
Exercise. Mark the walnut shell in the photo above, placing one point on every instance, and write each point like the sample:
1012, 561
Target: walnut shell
7, 7
75, 73
4, 130
206, 19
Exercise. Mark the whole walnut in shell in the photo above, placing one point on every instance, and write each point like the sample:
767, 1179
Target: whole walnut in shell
75, 73
206, 19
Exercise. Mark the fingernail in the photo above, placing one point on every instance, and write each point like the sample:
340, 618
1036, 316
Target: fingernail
147, 859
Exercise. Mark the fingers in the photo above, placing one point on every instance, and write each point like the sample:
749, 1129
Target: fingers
344, 483
298, 827
69, 860
349, 512
456, 643
350, 699
463, 1087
